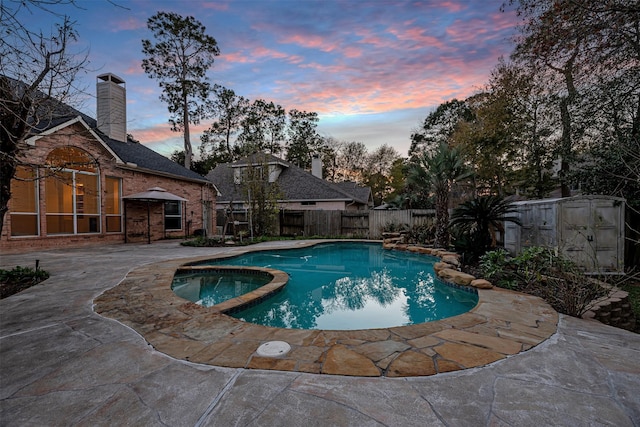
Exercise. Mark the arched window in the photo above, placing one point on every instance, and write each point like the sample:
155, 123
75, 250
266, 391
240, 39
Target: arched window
72, 191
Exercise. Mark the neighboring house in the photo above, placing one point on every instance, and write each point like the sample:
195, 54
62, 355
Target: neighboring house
299, 189
95, 185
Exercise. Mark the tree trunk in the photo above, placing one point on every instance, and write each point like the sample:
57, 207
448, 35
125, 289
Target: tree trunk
565, 147
566, 144
188, 150
442, 218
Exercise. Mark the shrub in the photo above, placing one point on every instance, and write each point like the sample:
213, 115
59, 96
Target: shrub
19, 279
394, 227
474, 224
200, 242
540, 272
422, 234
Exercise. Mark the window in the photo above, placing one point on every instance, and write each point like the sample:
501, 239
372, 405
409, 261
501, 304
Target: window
249, 174
72, 192
113, 204
173, 215
24, 204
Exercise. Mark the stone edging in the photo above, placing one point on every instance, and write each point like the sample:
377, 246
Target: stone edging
448, 267
502, 324
614, 310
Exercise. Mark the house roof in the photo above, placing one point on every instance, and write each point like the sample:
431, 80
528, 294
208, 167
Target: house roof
130, 154
360, 192
295, 183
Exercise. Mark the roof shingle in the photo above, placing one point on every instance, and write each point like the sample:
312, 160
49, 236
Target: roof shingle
295, 183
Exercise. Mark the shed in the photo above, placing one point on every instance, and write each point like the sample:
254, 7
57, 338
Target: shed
589, 230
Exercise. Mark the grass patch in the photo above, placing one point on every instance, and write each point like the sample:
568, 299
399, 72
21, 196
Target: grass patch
18, 279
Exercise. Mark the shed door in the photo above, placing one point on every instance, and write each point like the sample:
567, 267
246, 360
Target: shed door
607, 234
591, 233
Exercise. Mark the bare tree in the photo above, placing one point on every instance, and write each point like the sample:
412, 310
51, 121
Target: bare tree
37, 73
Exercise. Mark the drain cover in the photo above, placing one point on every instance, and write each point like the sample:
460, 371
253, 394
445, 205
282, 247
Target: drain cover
274, 349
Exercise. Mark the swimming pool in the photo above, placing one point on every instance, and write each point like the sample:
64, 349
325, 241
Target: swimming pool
351, 285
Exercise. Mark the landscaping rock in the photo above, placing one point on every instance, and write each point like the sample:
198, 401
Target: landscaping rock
455, 276
438, 266
450, 259
481, 284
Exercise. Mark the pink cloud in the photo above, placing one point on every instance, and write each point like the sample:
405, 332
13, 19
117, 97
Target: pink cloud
350, 89
154, 134
451, 6
238, 58
161, 133
367, 36
419, 36
470, 31
502, 21
260, 53
215, 5
134, 68
326, 69
128, 24
309, 41
352, 52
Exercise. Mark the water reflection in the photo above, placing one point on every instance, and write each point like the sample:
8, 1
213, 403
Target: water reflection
352, 293
352, 286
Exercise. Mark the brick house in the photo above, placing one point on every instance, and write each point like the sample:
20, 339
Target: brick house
92, 183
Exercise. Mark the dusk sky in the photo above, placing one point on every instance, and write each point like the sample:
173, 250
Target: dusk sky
372, 70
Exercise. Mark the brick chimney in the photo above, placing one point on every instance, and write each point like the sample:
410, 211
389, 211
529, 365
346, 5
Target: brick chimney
112, 106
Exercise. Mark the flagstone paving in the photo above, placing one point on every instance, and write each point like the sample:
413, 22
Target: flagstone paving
62, 364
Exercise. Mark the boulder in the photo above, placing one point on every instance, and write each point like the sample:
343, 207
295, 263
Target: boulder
457, 277
451, 259
441, 266
481, 284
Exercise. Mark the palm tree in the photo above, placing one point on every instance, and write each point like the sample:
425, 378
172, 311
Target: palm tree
437, 172
478, 219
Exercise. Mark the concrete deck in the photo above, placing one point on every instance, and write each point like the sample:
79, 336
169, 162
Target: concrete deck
63, 364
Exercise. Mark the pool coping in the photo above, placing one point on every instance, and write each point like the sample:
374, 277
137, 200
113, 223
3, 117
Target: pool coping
502, 324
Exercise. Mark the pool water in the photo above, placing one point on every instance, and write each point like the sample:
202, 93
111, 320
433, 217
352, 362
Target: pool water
352, 285
213, 287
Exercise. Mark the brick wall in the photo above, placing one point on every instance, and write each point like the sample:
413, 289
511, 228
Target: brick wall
133, 181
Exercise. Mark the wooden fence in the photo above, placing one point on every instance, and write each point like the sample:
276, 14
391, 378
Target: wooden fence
362, 224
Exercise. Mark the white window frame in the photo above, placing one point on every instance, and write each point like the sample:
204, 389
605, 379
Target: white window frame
179, 215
